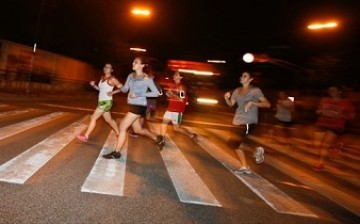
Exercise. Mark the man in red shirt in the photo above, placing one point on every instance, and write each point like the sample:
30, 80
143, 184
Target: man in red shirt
178, 99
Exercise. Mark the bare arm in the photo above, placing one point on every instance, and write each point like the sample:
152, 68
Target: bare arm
93, 84
263, 103
230, 102
117, 84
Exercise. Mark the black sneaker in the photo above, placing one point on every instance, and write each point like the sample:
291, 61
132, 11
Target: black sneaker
112, 155
161, 145
159, 138
160, 141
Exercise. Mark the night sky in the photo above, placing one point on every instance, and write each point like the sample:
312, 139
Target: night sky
103, 30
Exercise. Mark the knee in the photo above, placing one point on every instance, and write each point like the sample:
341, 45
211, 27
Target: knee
109, 121
176, 128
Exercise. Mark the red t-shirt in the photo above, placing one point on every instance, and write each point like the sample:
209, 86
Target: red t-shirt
333, 112
178, 100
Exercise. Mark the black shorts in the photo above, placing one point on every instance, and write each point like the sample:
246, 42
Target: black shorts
246, 129
137, 109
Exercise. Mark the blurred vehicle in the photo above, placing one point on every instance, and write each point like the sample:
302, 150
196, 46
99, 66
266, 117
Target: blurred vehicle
201, 79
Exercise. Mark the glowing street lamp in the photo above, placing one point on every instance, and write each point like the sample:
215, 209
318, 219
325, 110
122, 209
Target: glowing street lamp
141, 12
249, 58
137, 49
320, 26
264, 58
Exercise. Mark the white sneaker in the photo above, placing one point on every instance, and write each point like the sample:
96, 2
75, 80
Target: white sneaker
259, 155
242, 170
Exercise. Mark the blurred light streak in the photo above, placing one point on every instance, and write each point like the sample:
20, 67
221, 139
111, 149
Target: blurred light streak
206, 101
137, 49
217, 61
196, 72
318, 26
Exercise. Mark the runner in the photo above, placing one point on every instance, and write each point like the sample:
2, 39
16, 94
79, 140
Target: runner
105, 101
137, 84
334, 112
177, 97
248, 99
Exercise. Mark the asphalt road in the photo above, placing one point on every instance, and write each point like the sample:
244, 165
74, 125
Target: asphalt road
43, 171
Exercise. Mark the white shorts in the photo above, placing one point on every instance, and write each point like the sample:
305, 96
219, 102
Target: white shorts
175, 117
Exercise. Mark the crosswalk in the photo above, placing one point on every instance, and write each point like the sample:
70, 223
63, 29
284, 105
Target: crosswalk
109, 176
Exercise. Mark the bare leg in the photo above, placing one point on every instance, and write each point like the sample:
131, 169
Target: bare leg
124, 125
182, 130
164, 125
107, 117
328, 141
138, 129
241, 155
97, 113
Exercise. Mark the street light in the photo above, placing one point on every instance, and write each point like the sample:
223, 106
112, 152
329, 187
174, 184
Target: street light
137, 49
141, 12
320, 26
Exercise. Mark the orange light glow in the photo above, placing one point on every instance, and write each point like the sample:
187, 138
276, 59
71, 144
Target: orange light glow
206, 101
196, 72
141, 12
317, 26
193, 67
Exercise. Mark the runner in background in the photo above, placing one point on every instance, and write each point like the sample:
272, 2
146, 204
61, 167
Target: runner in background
177, 101
334, 112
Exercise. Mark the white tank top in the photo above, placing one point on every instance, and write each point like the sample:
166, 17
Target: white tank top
104, 88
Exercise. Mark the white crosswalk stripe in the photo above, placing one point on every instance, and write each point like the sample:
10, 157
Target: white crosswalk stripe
15, 112
189, 186
22, 167
274, 197
107, 176
14, 129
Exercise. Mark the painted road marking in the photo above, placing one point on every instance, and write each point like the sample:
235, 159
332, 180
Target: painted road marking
189, 186
271, 195
11, 130
75, 108
15, 112
107, 175
334, 193
21, 168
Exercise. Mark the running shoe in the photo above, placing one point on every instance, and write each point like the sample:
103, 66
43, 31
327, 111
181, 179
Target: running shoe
318, 167
82, 138
160, 141
259, 155
242, 170
112, 155
194, 138
132, 133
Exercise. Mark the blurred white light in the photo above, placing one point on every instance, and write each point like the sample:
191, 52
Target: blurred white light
196, 72
322, 26
248, 57
206, 101
137, 49
34, 48
217, 61
143, 12
291, 98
